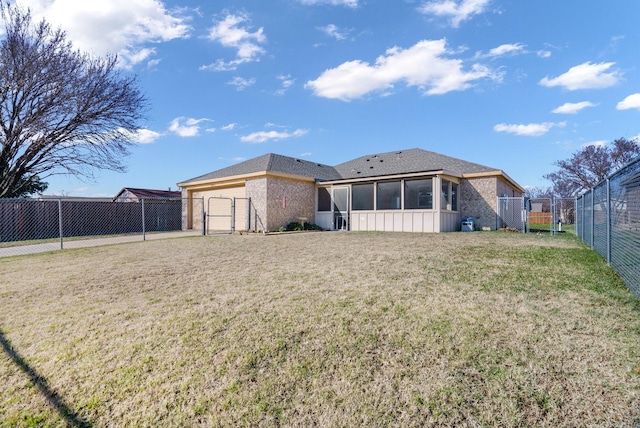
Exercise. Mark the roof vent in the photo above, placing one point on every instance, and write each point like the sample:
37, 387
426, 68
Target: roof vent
298, 160
368, 160
381, 160
370, 167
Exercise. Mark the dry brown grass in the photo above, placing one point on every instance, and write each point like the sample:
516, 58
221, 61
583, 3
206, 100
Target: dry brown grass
320, 329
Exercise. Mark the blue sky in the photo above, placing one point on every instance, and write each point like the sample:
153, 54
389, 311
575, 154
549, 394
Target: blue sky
511, 84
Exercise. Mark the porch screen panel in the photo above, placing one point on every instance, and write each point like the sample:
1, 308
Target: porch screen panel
389, 194
362, 195
324, 199
454, 197
444, 202
418, 194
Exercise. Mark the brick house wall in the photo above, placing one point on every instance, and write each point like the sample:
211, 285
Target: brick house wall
478, 201
256, 189
478, 198
267, 197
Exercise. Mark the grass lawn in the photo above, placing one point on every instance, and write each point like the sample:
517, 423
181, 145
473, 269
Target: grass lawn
320, 329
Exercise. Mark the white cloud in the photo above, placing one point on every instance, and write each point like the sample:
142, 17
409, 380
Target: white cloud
240, 83
585, 76
287, 82
146, 136
229, 127
142, 136
347, 3
530, 130
455, 11
506, 49
630, 102
125, 27
332, 30
264, 136
544, 54
229, 33
423, 65
572, 108
186, 126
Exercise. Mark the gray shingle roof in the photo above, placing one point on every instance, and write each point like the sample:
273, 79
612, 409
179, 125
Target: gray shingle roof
405, 162
151, 193
391, 163
276, 163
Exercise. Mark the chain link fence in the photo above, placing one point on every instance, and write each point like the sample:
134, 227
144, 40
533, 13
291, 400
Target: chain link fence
231, 215
35, 225
536, 215
608, 219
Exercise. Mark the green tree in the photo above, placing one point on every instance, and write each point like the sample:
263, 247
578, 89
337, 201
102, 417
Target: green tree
61, 111
590, 165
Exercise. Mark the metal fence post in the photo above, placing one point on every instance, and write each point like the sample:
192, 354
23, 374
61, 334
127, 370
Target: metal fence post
144, 235
552, 212
204, 218
60, 223
608, 184
582, 217
233, 215
498, 205
523, 215
248, 214
578, 213
593, 218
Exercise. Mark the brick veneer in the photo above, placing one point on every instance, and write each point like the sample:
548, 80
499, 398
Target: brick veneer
478, 199
267, 197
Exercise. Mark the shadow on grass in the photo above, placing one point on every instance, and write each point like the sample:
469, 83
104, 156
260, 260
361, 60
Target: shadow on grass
63, 409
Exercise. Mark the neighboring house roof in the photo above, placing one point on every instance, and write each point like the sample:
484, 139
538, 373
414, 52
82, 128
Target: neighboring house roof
272, 162
149, 193
376, 165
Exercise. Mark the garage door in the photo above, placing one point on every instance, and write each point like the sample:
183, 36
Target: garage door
218, 208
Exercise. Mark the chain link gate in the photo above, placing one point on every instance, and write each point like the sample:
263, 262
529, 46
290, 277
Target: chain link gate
231, 215
219, 215
540, 214
536, 214
511, 214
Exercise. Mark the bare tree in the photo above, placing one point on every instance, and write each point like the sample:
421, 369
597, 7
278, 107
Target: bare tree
590, 165
538, 192
61, 111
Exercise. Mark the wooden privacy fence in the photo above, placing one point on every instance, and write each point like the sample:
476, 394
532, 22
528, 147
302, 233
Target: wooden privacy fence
540, 217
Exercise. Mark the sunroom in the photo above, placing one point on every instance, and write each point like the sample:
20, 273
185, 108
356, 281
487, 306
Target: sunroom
407, 203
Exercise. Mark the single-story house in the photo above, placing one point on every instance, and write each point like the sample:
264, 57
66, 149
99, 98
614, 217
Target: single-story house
132, 194
411, 190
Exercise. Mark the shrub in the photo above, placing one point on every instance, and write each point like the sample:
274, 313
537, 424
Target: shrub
294, 225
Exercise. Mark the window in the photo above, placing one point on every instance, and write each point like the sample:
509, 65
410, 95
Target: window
454, 197
449, 196
444, 200
389, 194
324, 199
418, 194
362, 196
